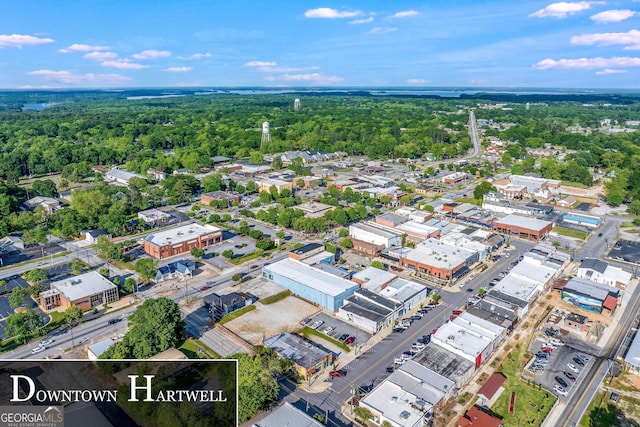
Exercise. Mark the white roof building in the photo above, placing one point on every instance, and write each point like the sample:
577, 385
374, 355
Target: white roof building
466, 342
182, 234
407, 397
373, 278
121, 176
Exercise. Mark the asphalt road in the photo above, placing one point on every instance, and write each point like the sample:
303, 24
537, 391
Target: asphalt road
596, 246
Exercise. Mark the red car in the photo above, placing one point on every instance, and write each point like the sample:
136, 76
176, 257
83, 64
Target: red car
204, 288
338, 374
547, 349
253, 266
452, 318
434, 331
350, 340
456, 312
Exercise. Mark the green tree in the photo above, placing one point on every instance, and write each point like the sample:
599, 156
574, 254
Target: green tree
108, 249
276, 163
129, 285
213, 182
634, 207
362, 413
299, 182
482, 292
227, 253
34, 290
44, 187
481, 189
72, 315
346, 243
257, 383
37, 275
377, 264
16, 297
197, 252
251, 187
23, 324
343, 232
435, 297
154, 327
146, 268
237, 277
256, 157
77, 266
406, 199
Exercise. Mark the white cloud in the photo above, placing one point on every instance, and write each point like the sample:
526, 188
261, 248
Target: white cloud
362, 21
610, 71
178, 69
630, 40
315, 78
588, 63
382, 30
609, 16
260, 64
37, 87
70, 78
404, 14
100, 56
123, 64
152, 54
195, 56
327, 12
418, 81
78, 47
19, 40
564, 9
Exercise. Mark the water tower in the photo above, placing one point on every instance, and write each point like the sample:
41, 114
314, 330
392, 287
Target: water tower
266, 135
296, 104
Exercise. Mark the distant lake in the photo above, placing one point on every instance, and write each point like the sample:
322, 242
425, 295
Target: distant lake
39, 106
152, 96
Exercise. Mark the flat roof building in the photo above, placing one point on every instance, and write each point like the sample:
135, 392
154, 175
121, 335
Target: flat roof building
310, 283
465, 340
590, 295
180, 240
286, 415
450, 365
307, 357
84, 291
372, 234
523, 227
632, 358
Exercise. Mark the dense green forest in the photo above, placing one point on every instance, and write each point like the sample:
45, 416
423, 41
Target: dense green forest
91, 128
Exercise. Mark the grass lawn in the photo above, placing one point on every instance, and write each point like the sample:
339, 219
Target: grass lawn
275, 298
191, 346
229, 317
306, 331
469, 200
532, 403
574, 184
563, 231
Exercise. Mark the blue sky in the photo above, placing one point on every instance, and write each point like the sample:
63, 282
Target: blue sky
495, 43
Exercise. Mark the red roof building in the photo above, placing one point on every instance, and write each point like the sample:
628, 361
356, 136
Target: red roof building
491, 387
610, 303
476, 417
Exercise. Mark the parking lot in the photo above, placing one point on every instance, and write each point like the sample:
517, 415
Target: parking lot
561, 362
240, 245
337, 328
626, 250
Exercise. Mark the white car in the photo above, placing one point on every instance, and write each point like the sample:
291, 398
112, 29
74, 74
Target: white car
328, 329
573, 367
38, 350
417, 346
317, 324
44, 343
560, 390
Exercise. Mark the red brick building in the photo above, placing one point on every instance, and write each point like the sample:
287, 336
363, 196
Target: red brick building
180, 240
214, 196
523, 227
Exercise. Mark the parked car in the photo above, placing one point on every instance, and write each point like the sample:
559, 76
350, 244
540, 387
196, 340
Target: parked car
328, 329
560, 390
338, 374
204, 288
350, 340
583, 357
578, 361
398, 329
469, 290
45, 342
416, 316
390, 369
561, 381
343, 337
456, 312
406, 322
573, 367
546, 349
417, 346
253, 267
569, 375
114, 321
317, 324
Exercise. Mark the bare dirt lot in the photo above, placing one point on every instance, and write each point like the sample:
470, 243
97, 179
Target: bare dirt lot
268, 320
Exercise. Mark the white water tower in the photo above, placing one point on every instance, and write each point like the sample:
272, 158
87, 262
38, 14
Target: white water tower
266, 134
296, 104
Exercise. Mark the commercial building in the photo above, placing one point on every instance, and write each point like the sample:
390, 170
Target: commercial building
407, 396
498, 203
121, 176
308, 358
373, 278
373, 234
429, 262
315, 209
583, 220
369, 311
286, 415
590, 295
154, 217
455, 178
523, 227
306, 251
265, 184
310, 283
600, 272
406, 292
450, 365
479, 417
419, 230
180, 240
632, 358
95, 350
216, 196
220, 305
84, 291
